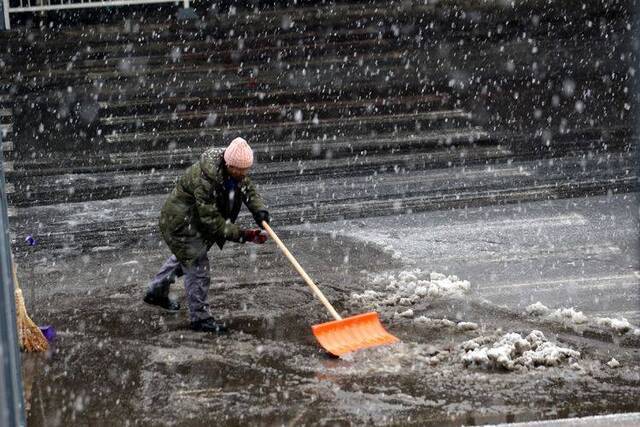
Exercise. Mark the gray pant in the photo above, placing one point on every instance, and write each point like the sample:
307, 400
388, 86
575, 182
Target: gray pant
196, 283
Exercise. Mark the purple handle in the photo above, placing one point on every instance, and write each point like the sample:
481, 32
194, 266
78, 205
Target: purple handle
48, 331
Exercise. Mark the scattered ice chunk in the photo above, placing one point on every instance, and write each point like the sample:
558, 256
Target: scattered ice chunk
476, 343
406, 314
467, 326
613, 363
536, 338
620, 326
422, 291
537, 309
512, 352
437, 276
410, 287
392, 300
576, 317
367, 296
118, 295
477, 356
433, 323
570, 315
548, 354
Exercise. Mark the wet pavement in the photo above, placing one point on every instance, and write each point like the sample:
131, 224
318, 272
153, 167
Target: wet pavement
582, 252
119, 361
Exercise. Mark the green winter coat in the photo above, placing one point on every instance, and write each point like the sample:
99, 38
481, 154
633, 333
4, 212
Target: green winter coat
199, 212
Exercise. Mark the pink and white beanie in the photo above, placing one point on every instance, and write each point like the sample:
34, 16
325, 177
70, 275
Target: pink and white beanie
238, 154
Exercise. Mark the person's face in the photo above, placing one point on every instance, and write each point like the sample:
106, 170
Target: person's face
237, 173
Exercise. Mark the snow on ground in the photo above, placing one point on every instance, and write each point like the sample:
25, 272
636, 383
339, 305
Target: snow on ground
513, 352
571, 316
509, 352
407, 288
391, 359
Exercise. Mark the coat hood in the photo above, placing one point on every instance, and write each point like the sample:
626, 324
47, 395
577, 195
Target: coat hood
211, 162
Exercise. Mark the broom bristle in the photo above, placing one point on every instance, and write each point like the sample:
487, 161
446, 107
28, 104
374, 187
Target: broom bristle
31, 337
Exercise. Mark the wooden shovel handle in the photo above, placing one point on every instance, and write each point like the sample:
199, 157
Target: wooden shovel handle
14, 274
304, 275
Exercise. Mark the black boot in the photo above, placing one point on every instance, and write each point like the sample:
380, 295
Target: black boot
164, 302
209, 325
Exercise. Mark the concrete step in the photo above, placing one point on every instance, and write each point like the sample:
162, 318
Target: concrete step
98, 186
308, 128
265, 153
421, 58
373, 17
205, 98
76, 226
223, 116
232, 73
159, 54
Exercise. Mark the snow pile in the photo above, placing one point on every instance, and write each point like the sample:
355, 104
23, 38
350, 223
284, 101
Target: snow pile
444, 323
538, 309
467, 326
406, 313
621, 326
512, 352
389, 249
613, 363
409, 287
434, 323
562, 314
569, 315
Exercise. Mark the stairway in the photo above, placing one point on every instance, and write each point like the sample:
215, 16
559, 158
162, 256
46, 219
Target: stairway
353, 109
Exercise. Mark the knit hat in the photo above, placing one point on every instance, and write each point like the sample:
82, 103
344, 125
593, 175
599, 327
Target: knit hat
238, 154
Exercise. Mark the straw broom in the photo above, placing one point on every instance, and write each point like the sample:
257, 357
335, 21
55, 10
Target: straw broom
30, 336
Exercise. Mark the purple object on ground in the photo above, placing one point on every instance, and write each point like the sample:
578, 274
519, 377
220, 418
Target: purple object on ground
30, 240
48, 331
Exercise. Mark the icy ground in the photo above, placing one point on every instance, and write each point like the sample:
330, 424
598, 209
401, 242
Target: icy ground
578, 253
462, 360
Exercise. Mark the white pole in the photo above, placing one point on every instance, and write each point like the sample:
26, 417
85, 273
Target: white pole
5, 8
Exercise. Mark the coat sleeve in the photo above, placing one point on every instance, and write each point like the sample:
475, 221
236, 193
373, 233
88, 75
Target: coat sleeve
210, 216
252, 199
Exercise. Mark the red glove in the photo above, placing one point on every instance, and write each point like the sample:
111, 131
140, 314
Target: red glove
254, 235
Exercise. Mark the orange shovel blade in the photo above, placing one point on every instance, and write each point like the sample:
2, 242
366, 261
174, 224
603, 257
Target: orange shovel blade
353, 333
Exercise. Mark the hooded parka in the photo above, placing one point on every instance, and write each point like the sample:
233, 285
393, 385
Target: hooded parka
201, 210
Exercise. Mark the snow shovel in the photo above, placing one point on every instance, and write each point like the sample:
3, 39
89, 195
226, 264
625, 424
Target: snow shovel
341, 335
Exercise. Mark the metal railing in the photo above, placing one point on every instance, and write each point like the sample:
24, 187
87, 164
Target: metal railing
19, 6
11, 398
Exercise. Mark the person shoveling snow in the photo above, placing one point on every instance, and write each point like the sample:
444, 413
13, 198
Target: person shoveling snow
200, 212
